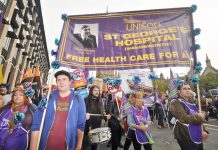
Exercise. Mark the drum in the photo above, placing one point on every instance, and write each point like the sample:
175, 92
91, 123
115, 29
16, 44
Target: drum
100, 135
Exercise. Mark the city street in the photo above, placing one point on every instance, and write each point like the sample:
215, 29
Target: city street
89, 64
164, 139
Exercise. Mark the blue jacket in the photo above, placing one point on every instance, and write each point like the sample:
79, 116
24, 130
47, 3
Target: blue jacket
75, 120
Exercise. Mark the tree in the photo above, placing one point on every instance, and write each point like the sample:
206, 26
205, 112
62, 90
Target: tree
162, 85
210, 81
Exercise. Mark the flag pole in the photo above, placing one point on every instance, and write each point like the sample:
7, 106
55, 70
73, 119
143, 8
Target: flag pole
194, 64
117, 104
199, 98
44, 112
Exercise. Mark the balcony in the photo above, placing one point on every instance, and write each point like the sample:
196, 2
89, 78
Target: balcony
12, 34
28, 59
35, 32
32, 23
40, 38
35, 9
30, 11
30, 3
28, 37
24, 53
15, 19
32, 45
14, 61
19, 45
26, 16
37, 19
25, 27
21, 4
5, 20
32, 64
35, 50
4, 52
23, 33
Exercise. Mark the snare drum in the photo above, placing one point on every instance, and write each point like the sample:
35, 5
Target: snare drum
100, 135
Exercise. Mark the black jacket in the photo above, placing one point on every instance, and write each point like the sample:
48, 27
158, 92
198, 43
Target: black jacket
88, 43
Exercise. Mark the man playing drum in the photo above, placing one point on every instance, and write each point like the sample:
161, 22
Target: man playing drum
93, 106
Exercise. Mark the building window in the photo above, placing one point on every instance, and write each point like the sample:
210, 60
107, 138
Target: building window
4, 1
7, 43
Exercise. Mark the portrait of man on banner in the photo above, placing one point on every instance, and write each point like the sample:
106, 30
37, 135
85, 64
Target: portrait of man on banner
85, 36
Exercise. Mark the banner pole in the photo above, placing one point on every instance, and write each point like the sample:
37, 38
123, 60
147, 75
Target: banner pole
44, 112
194, 64
199, 98
117, 104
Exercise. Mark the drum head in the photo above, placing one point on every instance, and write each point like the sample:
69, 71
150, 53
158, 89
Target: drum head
99, 130
100, 135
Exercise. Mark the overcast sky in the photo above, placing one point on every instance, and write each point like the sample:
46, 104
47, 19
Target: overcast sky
205, 18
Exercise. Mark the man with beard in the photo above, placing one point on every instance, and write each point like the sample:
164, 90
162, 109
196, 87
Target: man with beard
93, 106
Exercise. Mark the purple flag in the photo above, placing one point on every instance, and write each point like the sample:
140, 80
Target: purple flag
126, 106
124, 98
149, 38
149, 101
172, 89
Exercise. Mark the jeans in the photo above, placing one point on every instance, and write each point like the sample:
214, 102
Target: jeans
160, 116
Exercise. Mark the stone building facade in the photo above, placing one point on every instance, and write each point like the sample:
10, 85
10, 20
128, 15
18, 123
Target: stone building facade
22, 40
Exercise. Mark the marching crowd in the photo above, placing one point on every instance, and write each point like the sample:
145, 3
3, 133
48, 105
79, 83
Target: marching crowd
68, 119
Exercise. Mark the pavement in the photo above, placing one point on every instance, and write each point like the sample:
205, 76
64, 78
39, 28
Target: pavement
164, 139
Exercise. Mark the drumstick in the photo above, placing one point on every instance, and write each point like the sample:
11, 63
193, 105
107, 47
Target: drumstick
98, 115
95, 114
